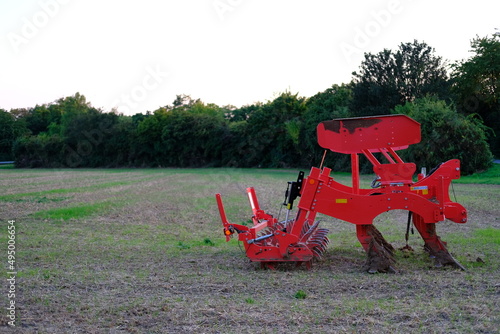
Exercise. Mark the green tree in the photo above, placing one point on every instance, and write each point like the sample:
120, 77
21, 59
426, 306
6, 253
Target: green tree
242, 114
72, 133
272, 133
476, 83
192, 138
184, 100
117, 136
446, 134
84, 130
39, 151
11, 128
19, 113
188, 134
330, 104
391, 78
40, 118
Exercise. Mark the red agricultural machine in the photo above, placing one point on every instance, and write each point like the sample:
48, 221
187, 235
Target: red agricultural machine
301, 240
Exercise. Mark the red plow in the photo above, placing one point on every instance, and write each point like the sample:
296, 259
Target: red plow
300, 240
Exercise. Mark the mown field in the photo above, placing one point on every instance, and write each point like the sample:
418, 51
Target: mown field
142, 251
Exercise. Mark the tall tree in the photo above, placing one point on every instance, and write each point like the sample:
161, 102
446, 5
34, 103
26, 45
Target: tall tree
329, 104
390, 78
192, 138
273, 131
476, 82
446, 134
40, 118
10, 129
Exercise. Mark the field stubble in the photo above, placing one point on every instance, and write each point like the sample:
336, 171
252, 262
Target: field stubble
143, 251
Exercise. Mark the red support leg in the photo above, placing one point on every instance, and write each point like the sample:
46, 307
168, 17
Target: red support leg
363, 236
433, 243
380, 252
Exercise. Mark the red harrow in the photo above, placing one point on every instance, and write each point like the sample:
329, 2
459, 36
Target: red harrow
300, 239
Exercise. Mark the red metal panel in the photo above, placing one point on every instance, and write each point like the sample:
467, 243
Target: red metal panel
352, 135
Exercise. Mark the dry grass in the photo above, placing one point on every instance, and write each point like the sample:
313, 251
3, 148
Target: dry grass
152, 259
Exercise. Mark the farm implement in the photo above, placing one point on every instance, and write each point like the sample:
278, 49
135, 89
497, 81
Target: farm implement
301, 240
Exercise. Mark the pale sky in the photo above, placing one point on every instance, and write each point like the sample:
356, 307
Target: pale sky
137, 55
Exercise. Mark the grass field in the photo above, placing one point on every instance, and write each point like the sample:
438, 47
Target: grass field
142, 251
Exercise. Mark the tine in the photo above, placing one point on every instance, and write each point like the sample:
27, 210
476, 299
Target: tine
319, 238
319, 247
326, 238
304, 229
310, 231
321, 251
316, 253
321, 242
318, 244
314, 243
320, 235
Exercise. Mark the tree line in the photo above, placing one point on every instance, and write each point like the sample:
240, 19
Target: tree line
457, 105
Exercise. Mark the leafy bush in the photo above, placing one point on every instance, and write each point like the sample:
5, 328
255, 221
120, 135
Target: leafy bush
39, 151
279, 133
446, 134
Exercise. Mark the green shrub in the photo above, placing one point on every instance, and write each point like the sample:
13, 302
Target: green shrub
300, 294
446, 134
39, 151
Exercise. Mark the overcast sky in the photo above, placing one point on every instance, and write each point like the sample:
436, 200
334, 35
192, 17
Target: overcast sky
138, 55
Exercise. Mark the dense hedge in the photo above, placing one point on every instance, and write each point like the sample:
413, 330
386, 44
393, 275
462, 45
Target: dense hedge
278, 134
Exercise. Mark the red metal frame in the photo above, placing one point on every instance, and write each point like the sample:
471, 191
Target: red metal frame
427, 199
